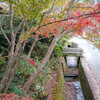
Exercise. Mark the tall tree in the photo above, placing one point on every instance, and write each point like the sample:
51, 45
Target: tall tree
27, 11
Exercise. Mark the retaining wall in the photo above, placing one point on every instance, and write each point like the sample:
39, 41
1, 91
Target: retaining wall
88, 83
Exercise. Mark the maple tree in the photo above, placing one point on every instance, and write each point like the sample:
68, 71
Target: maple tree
77, 25
51, 21
80, 21
28, 12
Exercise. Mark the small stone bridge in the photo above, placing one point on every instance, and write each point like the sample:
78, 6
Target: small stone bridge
77, 52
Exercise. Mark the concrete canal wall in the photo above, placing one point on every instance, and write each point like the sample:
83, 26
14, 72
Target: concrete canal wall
89, 84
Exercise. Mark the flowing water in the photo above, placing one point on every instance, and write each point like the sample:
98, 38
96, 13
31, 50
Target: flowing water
72, 85
73, 91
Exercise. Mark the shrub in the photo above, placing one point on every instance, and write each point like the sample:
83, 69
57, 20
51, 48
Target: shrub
13, 96
2, 61
26, 67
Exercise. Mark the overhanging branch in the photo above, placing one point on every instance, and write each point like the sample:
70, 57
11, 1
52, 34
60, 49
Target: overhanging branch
67, 19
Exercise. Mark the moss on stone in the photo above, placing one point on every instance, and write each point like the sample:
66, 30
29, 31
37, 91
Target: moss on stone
60, 85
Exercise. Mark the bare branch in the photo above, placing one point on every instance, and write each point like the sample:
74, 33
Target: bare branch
66, 32
11, 20
12, 34
18, 45
32, 46
49, 11
26, 24
5, 35
41, 18
19, 26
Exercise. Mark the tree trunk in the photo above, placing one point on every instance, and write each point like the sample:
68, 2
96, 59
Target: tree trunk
17, 63
10, 72
41, 66
11, 58
5, 78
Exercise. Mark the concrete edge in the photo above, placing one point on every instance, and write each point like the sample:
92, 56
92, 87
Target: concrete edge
91, 79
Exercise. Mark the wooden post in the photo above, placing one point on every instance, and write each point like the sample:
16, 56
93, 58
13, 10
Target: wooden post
65, 60
62, 68
78, 61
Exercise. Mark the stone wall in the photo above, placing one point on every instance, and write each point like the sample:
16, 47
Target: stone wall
88, 94
60, 84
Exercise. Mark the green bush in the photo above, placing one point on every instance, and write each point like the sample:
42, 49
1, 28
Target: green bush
15, 89
58, 51
59, 46
2, 61
25, 68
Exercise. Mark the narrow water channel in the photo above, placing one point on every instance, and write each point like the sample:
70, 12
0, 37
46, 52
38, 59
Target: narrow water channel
72, 84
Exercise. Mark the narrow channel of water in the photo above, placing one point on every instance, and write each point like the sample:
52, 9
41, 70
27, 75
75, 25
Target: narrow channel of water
72, 85
73, 91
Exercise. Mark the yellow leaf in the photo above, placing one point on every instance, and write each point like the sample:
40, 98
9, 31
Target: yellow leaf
60, 2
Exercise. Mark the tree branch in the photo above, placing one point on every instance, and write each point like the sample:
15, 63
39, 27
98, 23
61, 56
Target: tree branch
47, 12
5, 35
73, 7
19, 26
51, 7
69, 8
13, 36
66, 19
18, 45
11, 20
34, 42
26, 24
35, 17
